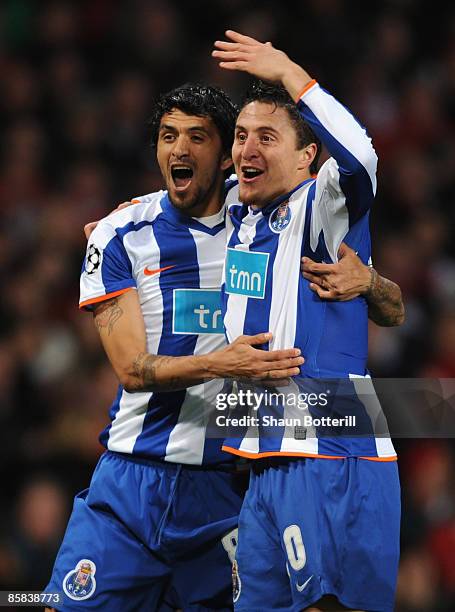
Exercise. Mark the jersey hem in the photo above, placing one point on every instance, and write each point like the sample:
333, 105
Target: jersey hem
103, 298
247, 455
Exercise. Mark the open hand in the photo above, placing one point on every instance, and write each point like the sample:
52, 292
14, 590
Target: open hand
340, 281
247, 54
241, 360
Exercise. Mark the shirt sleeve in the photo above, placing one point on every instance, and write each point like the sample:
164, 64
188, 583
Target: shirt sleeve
107, 270
346, 182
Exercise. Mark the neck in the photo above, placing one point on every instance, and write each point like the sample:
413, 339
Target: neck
206, 209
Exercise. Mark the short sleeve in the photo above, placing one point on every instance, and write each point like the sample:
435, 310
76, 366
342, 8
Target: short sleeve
107, 270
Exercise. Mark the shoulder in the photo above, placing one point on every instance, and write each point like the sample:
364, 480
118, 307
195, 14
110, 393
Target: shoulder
130, 219
232, 192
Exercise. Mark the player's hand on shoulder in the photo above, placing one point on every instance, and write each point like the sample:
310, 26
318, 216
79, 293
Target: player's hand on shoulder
341, 281
89, 227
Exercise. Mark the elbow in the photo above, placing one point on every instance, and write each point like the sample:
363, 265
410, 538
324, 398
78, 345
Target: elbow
369, 160
401, 314
400, 318
131, 383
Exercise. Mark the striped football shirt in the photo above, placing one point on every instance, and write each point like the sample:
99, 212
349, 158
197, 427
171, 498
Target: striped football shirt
263, 289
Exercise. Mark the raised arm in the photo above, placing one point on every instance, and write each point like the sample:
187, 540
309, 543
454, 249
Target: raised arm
350, 278
346, 140
346, 183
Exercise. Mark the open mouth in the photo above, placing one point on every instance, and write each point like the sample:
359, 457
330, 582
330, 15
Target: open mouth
250, 174
181, 175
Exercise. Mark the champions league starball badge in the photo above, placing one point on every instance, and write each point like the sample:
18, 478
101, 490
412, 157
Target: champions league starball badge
80, 582
280, 218
92, 259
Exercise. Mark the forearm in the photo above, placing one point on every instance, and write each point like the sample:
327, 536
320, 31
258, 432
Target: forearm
165, 373
295, 79
385, 304
345, 138
121, 327
122, 331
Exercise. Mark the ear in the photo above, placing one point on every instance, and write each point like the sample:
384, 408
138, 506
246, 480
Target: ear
307, 154
226, 162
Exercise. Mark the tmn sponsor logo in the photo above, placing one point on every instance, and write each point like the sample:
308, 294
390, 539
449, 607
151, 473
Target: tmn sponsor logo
197, 311
246, 273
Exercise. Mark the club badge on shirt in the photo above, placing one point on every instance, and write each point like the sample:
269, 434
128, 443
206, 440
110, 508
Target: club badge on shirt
280, 218
79, 583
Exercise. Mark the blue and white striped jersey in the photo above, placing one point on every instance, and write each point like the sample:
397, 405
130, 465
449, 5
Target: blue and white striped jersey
264, 290
175, 264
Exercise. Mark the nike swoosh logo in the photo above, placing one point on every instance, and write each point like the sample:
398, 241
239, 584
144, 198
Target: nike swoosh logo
301, 587
148, 272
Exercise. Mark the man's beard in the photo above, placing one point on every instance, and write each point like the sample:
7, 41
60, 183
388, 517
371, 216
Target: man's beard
202, 194
187, 202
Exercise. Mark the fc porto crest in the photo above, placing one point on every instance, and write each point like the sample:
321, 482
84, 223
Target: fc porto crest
80, 582
280, 218
236, 582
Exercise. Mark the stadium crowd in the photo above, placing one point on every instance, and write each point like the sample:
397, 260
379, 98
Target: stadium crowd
78, 80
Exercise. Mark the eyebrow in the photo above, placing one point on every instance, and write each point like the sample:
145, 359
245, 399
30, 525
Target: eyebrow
262, 128
196, 128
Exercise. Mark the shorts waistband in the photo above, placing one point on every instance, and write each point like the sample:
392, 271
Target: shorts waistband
228, 466
259, 465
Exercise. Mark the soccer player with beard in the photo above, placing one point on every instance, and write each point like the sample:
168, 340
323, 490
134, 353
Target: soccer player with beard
161, 511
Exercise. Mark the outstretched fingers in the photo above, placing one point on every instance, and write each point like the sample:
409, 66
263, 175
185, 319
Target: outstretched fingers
282, 355
241, 38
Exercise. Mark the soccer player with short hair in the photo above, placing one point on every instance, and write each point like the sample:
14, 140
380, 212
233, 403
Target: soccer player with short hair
161, 511
319, 527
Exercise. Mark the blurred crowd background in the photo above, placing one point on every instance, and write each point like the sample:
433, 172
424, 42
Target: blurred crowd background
77, 82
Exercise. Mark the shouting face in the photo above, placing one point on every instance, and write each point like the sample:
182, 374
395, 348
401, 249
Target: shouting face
191, 160
265, 154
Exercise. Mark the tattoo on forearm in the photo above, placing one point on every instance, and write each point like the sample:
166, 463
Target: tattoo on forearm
385, 305
145, 372
107, 314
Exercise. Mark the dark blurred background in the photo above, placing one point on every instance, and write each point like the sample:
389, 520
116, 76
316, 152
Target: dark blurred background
77, 83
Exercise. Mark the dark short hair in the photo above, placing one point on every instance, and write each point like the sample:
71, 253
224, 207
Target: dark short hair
201, 101
259, 91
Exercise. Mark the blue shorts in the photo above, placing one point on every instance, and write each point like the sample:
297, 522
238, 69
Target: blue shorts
314, 527
146, 532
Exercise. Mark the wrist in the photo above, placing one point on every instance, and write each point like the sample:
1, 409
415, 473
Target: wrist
208, 363
295, 79
369, 287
